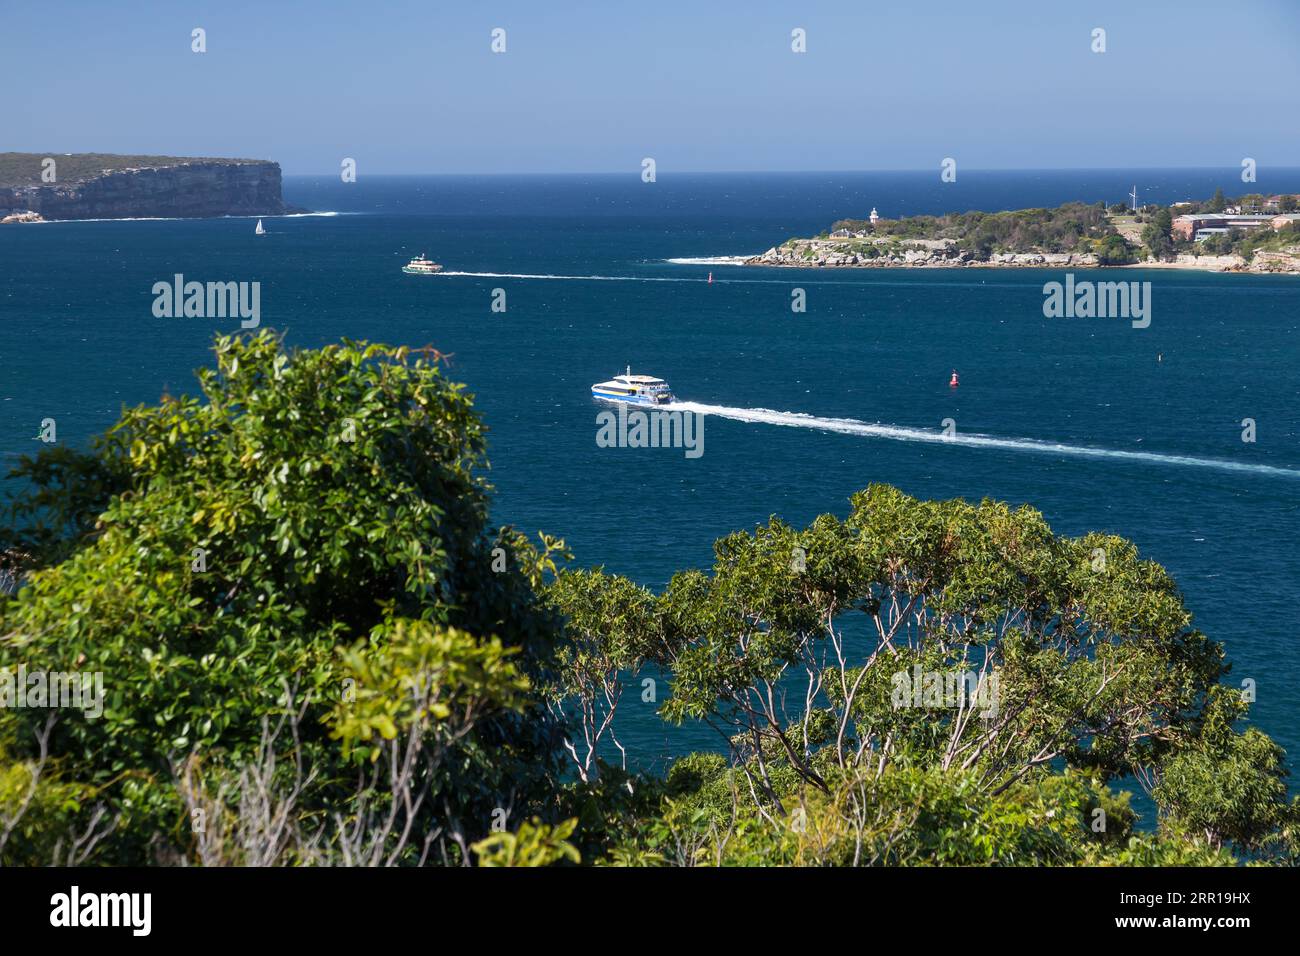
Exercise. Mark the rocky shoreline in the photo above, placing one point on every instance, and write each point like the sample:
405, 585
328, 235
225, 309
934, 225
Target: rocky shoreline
180, 189
942, 254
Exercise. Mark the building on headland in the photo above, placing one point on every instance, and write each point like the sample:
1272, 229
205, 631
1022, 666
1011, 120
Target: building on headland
1275, 203
1189, 226
844, 232
1286, 219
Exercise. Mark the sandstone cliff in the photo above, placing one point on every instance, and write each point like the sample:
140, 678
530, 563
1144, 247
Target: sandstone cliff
914, 253
156, 187
920, 253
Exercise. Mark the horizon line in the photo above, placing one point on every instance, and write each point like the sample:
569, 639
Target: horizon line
635, 171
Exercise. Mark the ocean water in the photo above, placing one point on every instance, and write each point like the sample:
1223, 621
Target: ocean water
807, 408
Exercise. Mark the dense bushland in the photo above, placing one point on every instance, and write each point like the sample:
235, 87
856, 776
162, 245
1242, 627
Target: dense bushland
1066, 228
316, 650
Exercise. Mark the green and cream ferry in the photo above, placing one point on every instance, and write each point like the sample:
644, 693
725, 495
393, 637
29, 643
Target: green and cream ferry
420, 266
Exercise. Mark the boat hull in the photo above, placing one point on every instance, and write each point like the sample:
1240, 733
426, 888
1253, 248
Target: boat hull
629, 399
420, 272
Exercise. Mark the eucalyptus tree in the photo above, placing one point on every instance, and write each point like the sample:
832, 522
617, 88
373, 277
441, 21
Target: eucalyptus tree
207, 549
962, 637
611, 634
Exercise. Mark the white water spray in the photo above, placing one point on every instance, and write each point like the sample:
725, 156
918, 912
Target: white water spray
522, 275
852, 426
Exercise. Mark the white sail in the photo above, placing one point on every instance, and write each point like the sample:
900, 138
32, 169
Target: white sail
259, 230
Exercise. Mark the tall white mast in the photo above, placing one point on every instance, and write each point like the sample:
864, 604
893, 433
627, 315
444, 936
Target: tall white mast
1134, 194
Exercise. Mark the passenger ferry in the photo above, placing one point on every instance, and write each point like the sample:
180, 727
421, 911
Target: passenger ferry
420, 266
637, 389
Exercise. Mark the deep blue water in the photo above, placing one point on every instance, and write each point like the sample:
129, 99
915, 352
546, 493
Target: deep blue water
78, 340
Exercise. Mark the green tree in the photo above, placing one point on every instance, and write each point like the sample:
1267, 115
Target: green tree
310, 636
1113, 250
1157, 235
1227, 786
610, 624
815, 653
534, 844
1218, 244
225, 546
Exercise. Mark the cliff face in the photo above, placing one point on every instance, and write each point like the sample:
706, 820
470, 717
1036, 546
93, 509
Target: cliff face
187, 190
911, 253
920, 253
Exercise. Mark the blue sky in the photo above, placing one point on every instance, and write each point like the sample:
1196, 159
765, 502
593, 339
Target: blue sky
407, 87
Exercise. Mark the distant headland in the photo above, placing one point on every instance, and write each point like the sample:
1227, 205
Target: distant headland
1254, 233
35, 187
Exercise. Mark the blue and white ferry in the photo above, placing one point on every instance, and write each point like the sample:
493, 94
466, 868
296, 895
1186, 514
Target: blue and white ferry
636, 389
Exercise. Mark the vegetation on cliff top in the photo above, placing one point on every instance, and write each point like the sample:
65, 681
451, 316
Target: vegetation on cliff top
24, 169
1115, 235
983, 233
315, 650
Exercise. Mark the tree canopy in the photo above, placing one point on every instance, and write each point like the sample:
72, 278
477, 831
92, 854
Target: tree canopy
316, 650
312, 508
1055, 230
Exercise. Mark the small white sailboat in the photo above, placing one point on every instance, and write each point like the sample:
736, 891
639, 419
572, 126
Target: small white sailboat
259, 230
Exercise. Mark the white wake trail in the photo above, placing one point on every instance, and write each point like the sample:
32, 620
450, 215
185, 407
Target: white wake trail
712, 260
524, 275
852, 426
698, 280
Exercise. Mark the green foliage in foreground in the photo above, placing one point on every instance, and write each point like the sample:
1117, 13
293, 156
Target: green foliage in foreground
227, 551
534, 844
315, 651
898, 817
1081, 669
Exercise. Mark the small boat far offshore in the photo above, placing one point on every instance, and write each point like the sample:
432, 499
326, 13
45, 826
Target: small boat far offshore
635, 389
259, 230
420, 266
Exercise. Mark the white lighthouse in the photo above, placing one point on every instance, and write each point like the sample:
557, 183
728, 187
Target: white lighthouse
875, 216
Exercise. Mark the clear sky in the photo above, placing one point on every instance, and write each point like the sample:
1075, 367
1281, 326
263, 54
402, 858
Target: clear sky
596, 85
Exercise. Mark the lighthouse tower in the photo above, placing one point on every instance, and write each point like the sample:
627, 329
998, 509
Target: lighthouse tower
875, 216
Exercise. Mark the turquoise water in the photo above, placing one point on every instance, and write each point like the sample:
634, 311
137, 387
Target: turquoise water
78, 340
